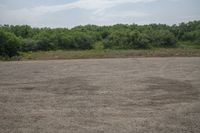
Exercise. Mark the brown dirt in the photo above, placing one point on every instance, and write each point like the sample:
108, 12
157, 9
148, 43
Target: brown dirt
158, 95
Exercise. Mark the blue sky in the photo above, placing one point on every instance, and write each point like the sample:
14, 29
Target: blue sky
70, 13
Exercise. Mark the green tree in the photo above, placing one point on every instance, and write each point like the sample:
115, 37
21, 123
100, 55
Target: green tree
9, 44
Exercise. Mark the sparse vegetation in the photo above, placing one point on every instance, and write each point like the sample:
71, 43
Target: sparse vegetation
86, 54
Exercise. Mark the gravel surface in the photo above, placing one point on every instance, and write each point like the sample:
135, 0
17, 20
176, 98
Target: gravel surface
133, 95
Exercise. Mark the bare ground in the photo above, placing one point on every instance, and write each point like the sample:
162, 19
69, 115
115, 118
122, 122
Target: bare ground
145, 95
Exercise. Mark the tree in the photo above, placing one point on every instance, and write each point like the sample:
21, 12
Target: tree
30, 45
82, 41
119, 36
162, 38
46, 41
9, 44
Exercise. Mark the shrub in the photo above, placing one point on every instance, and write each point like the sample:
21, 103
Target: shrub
9, 44
162, 38
30, 45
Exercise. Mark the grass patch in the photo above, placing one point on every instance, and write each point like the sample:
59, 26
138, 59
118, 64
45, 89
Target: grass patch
88, 54
189, 45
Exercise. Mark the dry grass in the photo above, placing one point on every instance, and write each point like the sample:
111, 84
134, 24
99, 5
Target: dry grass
51, 55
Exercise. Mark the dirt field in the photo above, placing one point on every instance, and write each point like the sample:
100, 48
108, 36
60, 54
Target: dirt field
135, 95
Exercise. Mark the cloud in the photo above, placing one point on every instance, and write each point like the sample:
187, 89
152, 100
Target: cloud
115, 17
97, 7
122, 15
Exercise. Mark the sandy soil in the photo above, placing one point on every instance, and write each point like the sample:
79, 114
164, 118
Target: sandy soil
135, 95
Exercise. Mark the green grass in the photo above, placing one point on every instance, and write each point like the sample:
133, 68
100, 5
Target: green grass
88, 54
189, 45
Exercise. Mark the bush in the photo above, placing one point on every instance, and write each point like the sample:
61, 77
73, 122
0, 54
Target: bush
117, 40
127, 40
192, 36
82, 41
30, 45
9, 44
65, 42
163, 38
139, 41
46, 41
96, 37
98, 46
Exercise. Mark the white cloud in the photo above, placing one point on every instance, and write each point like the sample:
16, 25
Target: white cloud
97, 7
115, 17
122, 15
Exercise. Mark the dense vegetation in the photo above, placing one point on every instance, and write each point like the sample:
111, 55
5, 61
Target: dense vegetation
15, 39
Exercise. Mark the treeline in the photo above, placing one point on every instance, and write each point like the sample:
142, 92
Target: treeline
15, 39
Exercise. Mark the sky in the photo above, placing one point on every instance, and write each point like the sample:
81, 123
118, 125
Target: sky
70, 13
